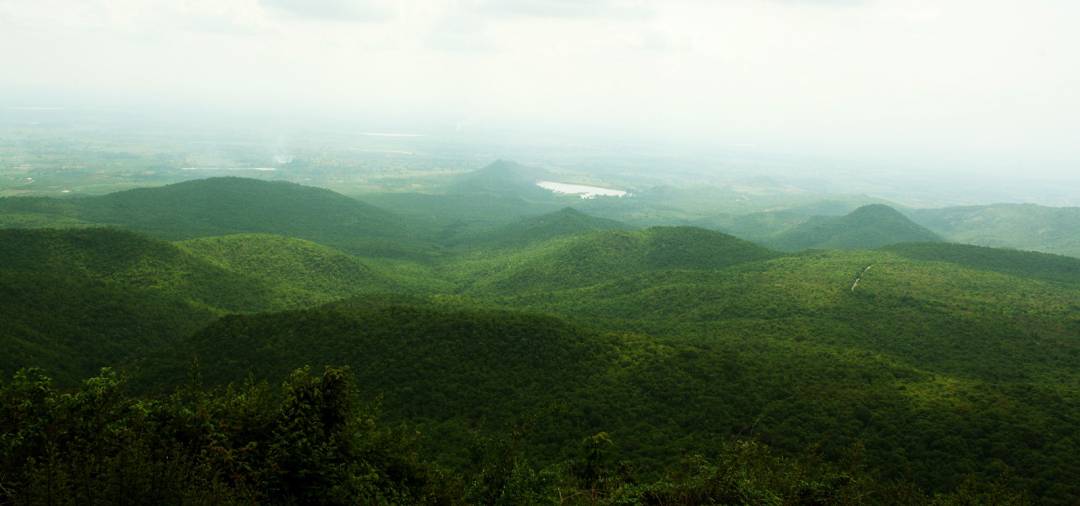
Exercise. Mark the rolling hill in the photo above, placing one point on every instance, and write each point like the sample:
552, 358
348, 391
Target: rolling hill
1020, 226
89, 297
534, 229
927, 362
231, 205
883, 367
504, 178
300, 273
82, 299
133, 262
867, 227
583, 260
1025, 264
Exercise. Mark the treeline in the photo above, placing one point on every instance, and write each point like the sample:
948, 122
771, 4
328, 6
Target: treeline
313, 442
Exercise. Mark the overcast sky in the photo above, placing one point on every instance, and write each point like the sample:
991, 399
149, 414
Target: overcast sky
975, 83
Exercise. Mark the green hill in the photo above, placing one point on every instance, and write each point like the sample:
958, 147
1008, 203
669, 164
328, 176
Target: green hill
534, 229
867, 227
1025, 264
78, 300
459, 219
593, 258
301, 273
505, 179
74, 324
448, 367
230, 205
759, 226
1020, 226
561, 336
131, 261
81, 299
795, 371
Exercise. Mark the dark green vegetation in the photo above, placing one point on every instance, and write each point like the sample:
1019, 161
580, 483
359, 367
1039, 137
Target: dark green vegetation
535, 229
587, 259
1027, 264
81, 298
867, 227
232, 205
542, 355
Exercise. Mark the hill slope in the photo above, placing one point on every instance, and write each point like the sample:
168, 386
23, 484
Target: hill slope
1024, 264
230, 205
455, 371
82, 299
599, 256
867, 227
1021, 226
563, 223
301, 273
131, 261
86, 298
505, 179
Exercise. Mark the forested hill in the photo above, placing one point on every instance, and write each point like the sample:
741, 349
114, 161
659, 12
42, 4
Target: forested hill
504, 178
534, 229
229, 205
867, 227
553, 357
1020, 226
450, 371
78, 299
587, 259
1026, 264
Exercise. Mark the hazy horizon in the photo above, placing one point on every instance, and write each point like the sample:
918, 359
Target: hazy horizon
957, 86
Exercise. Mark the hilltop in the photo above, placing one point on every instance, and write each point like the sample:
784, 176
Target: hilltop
594, 257
867, 227
504, 178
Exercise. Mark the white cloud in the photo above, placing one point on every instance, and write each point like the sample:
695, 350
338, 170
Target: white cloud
964, 79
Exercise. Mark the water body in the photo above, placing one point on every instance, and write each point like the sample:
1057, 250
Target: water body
259, 169
584, 191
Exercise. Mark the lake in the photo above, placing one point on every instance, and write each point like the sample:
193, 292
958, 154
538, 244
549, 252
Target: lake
584, 191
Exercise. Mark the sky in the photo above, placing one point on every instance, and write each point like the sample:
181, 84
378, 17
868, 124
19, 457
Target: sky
987, 85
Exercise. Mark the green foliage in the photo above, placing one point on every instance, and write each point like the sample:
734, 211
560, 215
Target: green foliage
535, 229
80, 299
537, 361
588, 259
1024, 264
314, 443
133, 262
230, 446
504, 178
300, 273
230, 205
1020, 226
867, 227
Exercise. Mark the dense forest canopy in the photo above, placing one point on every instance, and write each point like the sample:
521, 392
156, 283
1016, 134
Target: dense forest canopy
267, 342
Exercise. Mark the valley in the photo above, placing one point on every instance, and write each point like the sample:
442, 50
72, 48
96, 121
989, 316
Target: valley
947, 370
